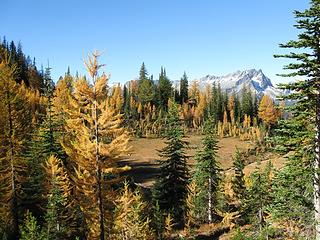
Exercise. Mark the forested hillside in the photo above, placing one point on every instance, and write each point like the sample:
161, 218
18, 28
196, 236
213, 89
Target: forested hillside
66, 147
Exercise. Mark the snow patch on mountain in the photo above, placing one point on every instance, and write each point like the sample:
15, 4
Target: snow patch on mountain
234, 82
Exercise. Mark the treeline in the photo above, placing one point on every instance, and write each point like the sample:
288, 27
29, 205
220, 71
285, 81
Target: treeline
145, 104
26, 69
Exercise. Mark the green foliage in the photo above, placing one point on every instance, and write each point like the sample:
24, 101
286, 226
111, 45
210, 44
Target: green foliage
216, 104
30, 230
258, 197
238, 183
42, 144
55, 203
170, 189
146, 90
301, 133
158, 220
184, 89
292, 194
207, 174
164, 90
247, 102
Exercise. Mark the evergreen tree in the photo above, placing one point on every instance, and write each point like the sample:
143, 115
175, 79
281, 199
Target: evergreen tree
146, 91
48, 82
44, 143
30, 230
170, 189
164, 89
238, 183
292, 197
158, 219
184, 89
307, 92
216, 105
207, 174
258, 197
246, 102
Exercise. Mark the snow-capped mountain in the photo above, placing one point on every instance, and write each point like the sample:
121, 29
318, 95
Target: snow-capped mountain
234, 82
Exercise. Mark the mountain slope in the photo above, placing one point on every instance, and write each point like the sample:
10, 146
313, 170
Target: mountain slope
234, 82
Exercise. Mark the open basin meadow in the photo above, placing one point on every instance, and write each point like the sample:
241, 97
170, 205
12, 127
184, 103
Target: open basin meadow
160, 120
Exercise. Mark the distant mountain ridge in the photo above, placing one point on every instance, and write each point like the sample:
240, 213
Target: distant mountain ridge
234, 82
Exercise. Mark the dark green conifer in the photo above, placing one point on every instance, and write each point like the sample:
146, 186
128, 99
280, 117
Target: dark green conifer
170, 189
184, 89
43, 143
207, 174
216, 105
146, 91
306, 53
164, 89
258, 197
246, 102
238, 183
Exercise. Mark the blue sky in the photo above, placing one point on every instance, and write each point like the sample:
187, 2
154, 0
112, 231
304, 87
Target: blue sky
197, 36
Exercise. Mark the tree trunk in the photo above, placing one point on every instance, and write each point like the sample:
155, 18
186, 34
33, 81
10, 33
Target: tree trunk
98, 168
316, 183
210, 201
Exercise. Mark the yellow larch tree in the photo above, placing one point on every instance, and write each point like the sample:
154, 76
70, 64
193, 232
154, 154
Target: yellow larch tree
98, 143
190, 213
116, 99
61, 97
15, 124
231, 104
200, 110
60, 217
194, 91
131, 221
267, 111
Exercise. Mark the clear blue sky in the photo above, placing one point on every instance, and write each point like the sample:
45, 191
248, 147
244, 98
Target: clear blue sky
197, 36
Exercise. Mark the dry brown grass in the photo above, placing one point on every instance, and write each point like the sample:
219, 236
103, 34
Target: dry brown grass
144, 155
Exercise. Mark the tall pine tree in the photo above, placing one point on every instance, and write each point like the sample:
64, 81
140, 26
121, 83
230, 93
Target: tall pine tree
146, 91
184, 89
307, 92
164, 89
170, 189
207, 174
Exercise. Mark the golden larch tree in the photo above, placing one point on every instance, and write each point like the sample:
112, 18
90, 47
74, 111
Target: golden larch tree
130, 220
61, 219
267, 111
98, 143
15, 124
231, 105
116, 99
